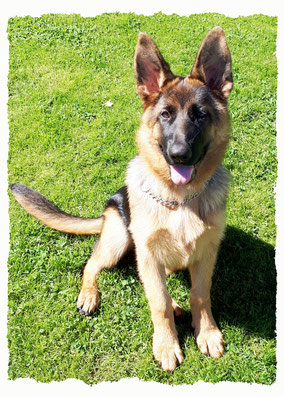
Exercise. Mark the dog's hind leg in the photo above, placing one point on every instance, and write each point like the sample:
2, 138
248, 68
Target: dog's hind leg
178, 311
113, 243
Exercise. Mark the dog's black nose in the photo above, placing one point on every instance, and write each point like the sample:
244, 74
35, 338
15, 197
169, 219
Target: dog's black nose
180, 154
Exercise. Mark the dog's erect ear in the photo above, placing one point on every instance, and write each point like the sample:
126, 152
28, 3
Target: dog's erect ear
213, 64
150, 67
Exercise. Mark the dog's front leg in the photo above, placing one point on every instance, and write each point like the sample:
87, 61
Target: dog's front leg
208, 337
166, 347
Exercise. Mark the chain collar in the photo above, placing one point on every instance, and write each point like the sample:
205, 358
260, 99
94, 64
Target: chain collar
174, 204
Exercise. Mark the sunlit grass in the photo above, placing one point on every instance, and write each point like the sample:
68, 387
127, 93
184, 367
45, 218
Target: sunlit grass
65, 143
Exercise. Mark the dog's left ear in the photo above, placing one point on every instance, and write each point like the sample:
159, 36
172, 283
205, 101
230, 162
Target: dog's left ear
213, 64
150, 67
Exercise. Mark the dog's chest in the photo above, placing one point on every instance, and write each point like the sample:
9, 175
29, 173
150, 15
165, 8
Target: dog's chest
171, 236
184, 227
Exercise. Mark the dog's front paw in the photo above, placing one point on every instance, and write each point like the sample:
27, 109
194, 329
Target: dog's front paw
210, 342
167, 351
88, 301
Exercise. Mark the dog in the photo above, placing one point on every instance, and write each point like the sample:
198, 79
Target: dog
172, 207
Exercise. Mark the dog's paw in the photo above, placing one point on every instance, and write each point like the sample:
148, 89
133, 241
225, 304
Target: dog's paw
167, 352
210, 342
87, 301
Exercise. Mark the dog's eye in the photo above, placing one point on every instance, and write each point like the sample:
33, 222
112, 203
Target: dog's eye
165, 114
196, 113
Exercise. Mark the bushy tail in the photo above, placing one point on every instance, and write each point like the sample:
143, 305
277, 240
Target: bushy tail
42, 209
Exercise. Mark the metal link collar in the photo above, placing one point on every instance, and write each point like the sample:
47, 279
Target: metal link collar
174, 204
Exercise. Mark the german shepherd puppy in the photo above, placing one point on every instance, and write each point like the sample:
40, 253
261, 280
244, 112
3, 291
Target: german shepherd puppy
172, 209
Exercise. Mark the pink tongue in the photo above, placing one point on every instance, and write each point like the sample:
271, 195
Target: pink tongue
181, 174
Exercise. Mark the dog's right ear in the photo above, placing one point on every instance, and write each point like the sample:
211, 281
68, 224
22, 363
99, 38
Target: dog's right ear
150, 67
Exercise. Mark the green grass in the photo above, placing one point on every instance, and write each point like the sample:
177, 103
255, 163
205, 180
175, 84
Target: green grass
66, 144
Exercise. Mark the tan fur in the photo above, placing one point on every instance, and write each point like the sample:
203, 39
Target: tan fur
63, 223
176, 240
111, 246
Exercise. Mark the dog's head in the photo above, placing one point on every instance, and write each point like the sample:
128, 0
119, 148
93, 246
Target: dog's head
185, 126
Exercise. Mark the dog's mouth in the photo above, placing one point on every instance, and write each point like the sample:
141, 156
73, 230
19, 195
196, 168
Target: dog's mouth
181, 174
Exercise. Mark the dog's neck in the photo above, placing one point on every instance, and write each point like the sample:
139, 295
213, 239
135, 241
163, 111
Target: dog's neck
210, 196
174, 204
167, 194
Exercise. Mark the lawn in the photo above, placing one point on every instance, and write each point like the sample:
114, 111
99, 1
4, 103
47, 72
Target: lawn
67, 144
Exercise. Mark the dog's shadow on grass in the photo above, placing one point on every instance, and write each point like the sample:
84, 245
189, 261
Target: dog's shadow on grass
244, 283
243, 288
